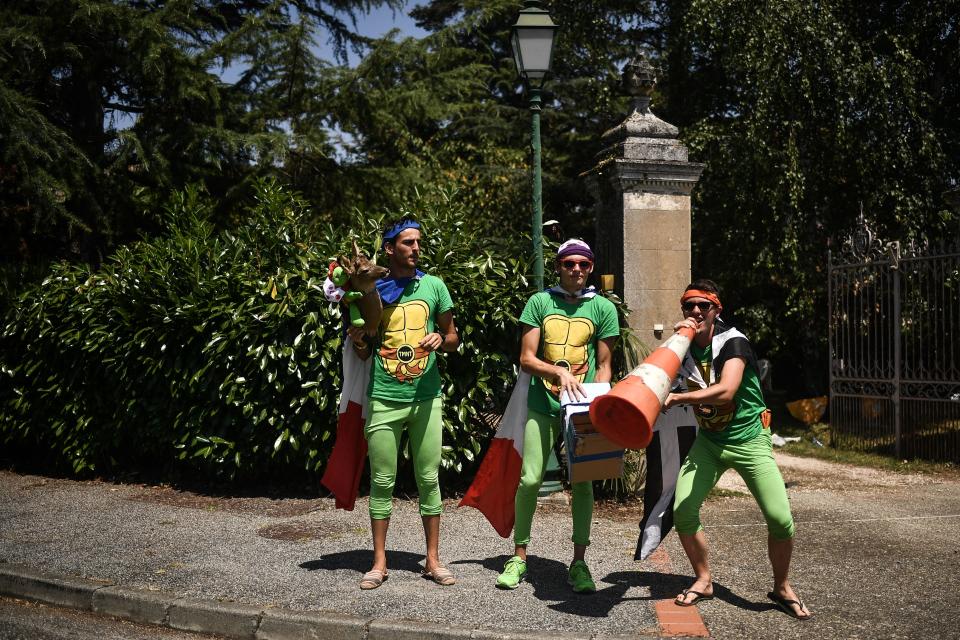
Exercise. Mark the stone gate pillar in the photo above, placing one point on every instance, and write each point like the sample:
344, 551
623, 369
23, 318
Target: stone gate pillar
642, 183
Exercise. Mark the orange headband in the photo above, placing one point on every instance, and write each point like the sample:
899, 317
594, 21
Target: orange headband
695, 293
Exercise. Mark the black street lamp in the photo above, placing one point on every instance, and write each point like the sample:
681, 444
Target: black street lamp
532, 38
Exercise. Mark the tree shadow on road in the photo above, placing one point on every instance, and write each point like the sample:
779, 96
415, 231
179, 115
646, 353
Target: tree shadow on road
359, 560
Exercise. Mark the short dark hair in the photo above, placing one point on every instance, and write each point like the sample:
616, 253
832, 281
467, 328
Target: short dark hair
703, 284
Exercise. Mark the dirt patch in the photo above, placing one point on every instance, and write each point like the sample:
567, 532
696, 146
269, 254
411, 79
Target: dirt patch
302, 531
36, 485
805, 474
269, 507
629, 510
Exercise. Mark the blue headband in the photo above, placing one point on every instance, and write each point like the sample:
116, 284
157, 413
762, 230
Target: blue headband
396, 229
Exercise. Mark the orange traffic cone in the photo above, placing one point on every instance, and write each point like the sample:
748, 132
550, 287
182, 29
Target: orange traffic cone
627, 413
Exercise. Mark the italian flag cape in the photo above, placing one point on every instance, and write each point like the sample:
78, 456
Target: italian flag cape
345, 466
494, 488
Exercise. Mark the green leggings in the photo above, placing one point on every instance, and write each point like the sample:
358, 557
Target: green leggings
540, 433
753, 460
383, 429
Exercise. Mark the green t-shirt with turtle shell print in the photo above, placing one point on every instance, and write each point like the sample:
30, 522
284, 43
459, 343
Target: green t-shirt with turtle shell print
568, 336
738, 420
401, 370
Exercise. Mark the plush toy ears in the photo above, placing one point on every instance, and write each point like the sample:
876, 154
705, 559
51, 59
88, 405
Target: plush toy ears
345, 265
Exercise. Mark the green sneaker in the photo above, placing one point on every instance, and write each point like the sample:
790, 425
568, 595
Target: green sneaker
580, 578
513, 573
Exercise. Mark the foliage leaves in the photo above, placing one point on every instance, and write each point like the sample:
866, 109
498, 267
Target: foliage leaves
214, 353
814, 111
800, 111
105, 105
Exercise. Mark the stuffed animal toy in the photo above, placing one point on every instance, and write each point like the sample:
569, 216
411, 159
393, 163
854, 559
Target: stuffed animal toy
349, 280
342, 292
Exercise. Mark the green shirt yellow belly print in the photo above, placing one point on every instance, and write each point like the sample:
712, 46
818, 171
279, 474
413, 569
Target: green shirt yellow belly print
568, 336
739, 420
403, 371
712, 417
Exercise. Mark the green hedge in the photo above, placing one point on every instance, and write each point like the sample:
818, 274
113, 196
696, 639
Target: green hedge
214, 354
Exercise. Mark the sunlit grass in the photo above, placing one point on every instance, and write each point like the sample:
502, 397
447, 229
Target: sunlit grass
821, 432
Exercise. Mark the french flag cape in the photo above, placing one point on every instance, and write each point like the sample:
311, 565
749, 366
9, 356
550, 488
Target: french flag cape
345, 466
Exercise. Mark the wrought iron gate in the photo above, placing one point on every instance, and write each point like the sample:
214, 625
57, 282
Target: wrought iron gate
894, 340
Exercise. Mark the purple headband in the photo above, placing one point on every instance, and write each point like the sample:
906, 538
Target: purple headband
574, 248
396, 229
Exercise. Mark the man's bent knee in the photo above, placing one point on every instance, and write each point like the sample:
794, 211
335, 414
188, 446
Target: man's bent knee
780, 530
686, 522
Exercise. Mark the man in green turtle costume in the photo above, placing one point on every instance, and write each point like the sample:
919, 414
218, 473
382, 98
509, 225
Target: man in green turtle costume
404, 393
568, 335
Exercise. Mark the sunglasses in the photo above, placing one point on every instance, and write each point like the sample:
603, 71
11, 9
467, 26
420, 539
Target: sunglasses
703, 306
583, 264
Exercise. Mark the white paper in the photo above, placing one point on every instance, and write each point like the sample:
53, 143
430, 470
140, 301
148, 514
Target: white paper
591, 389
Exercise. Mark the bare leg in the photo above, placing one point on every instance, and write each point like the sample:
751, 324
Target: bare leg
379, 530
432, 567
780, 552
695, 547
579, 551
431, 532
520, 550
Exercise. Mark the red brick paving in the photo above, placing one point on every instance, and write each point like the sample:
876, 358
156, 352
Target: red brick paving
673, 619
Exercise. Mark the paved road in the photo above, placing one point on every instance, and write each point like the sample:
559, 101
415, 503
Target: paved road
21, 620
876, 556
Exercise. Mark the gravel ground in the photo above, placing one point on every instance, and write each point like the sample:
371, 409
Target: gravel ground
875, 551
876, 555
203, 547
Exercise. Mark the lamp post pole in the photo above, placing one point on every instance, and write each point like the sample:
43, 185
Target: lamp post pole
537, 222
532, 39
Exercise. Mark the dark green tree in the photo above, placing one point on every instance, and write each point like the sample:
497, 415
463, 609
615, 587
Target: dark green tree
105, 105
803, 113
580, 102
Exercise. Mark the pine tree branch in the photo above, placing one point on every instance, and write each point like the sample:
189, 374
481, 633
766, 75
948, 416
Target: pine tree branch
126, 108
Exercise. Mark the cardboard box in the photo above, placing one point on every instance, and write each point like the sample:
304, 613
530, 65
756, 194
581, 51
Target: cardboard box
581, 421
605, 469
590, 455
